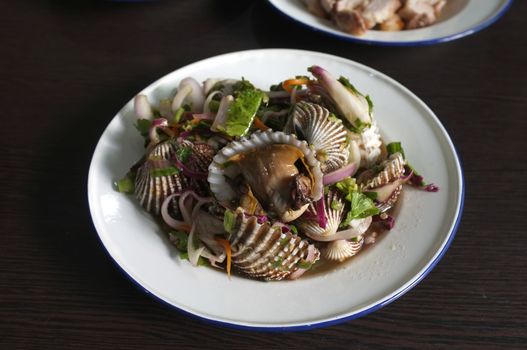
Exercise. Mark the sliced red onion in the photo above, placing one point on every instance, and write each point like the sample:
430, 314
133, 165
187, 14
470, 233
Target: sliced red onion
311, 258
193, 252
321, 213
165, 108
189, 172
339, 174
181, 95
142, 107
196, 95
352, 106
185, 134
156, 124
221, 115
206, 104
169, 220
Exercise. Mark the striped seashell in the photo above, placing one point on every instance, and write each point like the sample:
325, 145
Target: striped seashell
308, 224
341, 249
392, 169
388, 182
263, 251
327, 137
150, 190
252, 154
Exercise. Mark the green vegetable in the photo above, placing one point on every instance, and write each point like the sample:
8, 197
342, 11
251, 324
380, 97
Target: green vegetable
332, 117
372, 195
370, 104
302, 264
183, 153
168, 171
394, 147
277, 262
284, 241
241, 112
347, 185
345, 81
126, 184
143, 126
241, 86
359, 126
293, 229
214, 105
180, 240
336, 205
361, 207
201, 260
177, 115
229, 221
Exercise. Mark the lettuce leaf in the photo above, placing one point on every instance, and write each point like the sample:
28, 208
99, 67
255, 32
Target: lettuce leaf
241, 112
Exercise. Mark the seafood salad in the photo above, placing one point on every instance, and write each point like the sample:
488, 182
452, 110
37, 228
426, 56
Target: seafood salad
358, 16
267, 184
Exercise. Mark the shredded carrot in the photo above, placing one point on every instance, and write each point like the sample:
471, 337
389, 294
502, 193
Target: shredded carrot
290, 83
227, 246
259, 124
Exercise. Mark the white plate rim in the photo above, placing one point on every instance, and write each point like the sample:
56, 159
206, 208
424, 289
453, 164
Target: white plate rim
434, 40
280, 328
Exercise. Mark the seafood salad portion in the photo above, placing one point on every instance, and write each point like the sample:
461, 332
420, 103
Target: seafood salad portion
358, 16
267, 184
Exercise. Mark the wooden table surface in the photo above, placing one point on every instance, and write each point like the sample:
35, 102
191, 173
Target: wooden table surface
68, 66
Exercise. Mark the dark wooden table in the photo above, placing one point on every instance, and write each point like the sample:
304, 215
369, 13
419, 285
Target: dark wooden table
68, 66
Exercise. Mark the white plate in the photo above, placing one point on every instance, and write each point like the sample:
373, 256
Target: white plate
425, 225
458, 19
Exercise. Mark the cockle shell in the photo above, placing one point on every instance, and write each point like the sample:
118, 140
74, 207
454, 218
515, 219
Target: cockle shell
390, 170
267, 162
263, 251
152, 190
311, 122
342, 249
388, 179
333, 209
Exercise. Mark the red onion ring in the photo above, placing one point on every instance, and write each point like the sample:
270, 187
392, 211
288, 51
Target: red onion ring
339, 174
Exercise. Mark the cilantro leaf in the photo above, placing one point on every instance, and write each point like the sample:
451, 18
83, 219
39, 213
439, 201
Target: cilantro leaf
394, 147
143, 126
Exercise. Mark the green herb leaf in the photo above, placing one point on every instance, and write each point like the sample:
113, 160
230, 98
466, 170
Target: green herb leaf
183, 255
241, 112
241, 86
370, 104
359, 126
179, 239
362, 206
177, 115
126, 185
345, 81
143, 126
293, 229
168, 171
394, 147
183, 153
214, 106
347, 185
303, 264
371, 195
229, 221
336, 205
278, 262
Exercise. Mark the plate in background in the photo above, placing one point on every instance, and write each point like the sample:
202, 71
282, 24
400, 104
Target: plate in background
458, 19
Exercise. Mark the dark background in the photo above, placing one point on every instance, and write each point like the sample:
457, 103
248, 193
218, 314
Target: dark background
68, 66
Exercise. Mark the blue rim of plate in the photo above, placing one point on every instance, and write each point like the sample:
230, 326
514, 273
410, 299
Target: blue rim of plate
321, 324
491, 20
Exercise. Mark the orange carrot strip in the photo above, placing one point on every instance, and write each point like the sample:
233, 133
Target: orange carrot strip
290, 83
227, 246
259, 124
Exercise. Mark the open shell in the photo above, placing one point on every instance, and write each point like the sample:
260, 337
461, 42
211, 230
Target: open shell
308, 223
262, 251
150, 190
253, 159
327, 137
341, 249
387, 182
